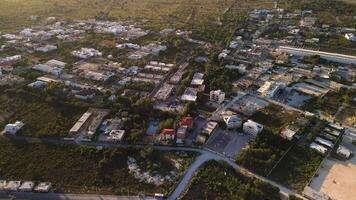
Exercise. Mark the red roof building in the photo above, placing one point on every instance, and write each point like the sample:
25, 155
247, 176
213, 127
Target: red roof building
187, 121
167, 134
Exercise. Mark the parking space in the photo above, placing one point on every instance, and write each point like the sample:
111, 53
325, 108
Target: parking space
229, 143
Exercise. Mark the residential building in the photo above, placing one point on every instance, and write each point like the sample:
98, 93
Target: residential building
43, 187
288, 133
3, 184
12, 185
190, 94
181, 133
27, 186
187, 121
197, 79
48, 69
232, 121
350, 36
319, 148
209, 127
217, 96
343, 152
201, 139
251, 127
116, 135
167, 134
13, 128
56, 63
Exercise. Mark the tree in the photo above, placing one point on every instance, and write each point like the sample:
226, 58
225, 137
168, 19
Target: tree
146, 152
168, 123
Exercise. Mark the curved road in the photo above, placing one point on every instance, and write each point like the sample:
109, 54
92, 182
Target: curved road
207, 155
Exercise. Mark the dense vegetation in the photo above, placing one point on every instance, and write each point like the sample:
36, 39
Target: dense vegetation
81, 169
263, 152
42, 112
331, 103
297, 167
274, 117
226, 183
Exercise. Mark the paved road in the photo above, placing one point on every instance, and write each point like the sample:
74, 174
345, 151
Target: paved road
59, 196
190, 172
207, 155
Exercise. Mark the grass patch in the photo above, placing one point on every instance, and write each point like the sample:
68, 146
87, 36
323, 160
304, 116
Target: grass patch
297, 167
228, 184
263, 152
274, 117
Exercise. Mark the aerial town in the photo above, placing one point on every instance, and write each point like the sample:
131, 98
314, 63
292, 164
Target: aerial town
99, 108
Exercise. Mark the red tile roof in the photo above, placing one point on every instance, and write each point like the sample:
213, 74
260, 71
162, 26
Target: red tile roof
186, 121
168, 131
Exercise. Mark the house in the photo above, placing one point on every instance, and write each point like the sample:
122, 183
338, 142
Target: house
57, 71
37, 84
319, 148
43, 187
197, 79
324, 142
46, 48
350, 36
251, 127
201, 139
3, 183
187, 121
232, 121
190, 94
181, 133
116, 135
27, 186
167, 134
12, 185
288, 133
209, 127
308, 21
343, 152
56, 63
217, 96
13, 128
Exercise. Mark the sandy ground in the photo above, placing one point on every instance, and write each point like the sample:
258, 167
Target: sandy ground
337, 178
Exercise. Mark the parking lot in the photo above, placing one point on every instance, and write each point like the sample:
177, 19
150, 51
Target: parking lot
229, 143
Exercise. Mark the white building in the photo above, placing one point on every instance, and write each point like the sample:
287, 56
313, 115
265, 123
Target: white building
232, 121
43, 187
350, 36
46, 48
13, 128
27, 186
86, 53
116, 135
13, 185
217, 96
319, 148
251, 127
56, 63
48, 69
190, 94
343, 152
288, 133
